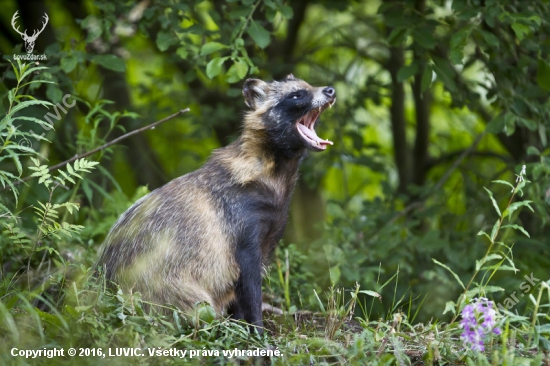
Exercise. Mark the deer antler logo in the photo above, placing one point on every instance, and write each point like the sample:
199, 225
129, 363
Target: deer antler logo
29, 40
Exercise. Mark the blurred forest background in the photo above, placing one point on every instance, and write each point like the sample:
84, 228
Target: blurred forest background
436, 99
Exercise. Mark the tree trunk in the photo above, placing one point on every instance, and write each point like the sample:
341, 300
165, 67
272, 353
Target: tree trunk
422, 102
397, 116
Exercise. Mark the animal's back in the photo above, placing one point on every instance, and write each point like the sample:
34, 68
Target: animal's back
173, 245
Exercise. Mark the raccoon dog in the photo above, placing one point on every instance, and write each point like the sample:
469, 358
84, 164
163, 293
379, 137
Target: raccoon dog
206, 236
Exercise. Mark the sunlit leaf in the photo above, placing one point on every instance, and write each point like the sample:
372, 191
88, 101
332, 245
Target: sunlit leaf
259, 34
110, 62
236, 72
450, 270
211, 47
214, 67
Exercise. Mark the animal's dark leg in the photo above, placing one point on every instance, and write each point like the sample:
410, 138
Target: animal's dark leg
248, 290
235, 310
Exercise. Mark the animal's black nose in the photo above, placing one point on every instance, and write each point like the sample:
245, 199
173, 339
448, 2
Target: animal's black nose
329, 92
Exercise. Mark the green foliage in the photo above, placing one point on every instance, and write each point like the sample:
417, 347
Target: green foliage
14, 141
415, 229
25, 234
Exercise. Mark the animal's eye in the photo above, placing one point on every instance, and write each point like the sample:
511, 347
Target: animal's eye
295, 96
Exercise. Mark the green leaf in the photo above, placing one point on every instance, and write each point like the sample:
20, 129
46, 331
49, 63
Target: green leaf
371, 293
450, 306
536, 19
212, 47
27, 103
214, 67
481, 232
504, 183
407, 71
543, 74
15, 158
270, 13
70, 169
54, 93
68, 63
424, 37
494, 232
83, 308
485, 289
285, 10
459, 38
509, 123
514, 206
110, 62
496, 125
43, 124
456, 56
493, 201
206, 313
318, 300
182, 52
490, 38
517, 227
445, 72
11, 96
67, 177
520, 30
33, 69
488, 258
450, 270
457, 44
165, 39
397, 36
93, 26
531, 150
528, 123
259, 34
427, 77
236, 72
15, 70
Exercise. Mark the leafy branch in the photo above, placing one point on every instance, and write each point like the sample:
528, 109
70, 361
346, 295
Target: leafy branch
48, 213
99, 148
10, 148
507, 213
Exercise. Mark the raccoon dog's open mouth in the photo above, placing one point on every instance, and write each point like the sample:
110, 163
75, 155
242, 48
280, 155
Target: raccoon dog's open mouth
306, 128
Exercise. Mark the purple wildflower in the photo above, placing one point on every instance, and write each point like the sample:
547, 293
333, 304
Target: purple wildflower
478, 320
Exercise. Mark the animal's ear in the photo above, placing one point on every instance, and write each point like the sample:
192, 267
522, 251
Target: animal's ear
289, 77
255, 92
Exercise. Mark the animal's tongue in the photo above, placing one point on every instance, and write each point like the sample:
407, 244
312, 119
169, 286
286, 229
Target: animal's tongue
313, 136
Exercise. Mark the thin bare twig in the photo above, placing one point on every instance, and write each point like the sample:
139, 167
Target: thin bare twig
104, 146
118, 139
